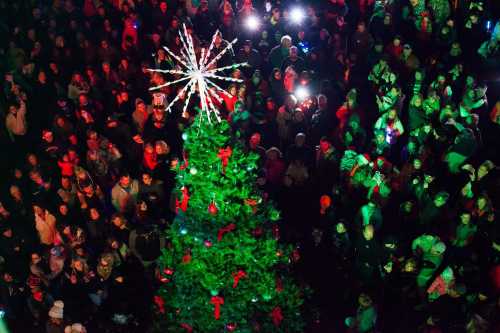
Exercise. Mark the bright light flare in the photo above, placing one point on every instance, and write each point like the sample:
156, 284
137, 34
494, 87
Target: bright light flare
302, 93
252, 23
297, 15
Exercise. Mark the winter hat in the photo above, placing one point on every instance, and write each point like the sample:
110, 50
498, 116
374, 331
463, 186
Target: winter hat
75, 328
57, 310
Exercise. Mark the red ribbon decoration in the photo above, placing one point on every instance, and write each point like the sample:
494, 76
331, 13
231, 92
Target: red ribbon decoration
237, 276
424, 23
277, 316
224, 154
226, 229
252, 203
160, 303
183, 204
217, 301
187, 327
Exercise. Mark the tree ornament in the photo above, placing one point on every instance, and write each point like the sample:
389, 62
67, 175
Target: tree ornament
193, 171
208, 243
186, 259
224, 155
187, 327
217, 301
277, 316
168, 271
183, 204
198, 71
226, 229
252, 203
212, 208
231, 327
257, 232
237, 276
160, 303
279, 284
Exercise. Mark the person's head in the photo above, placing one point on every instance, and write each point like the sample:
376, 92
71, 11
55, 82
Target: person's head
482, 202
392, 114
324, 145
286, 41
147, 179
340, 228
300, 139
124, 180
7, 231
417, 164
294, 52
407, 206
15, 192
149, 149
63, 209
465, 218
368, 232
407, 50
270, 104
322, 102
484, 169
247, 46
35, 258
106, 67
161, 147
273, 154
441, 198
417, 100
387, 19
163, 6
118, 220
396, 41
361, 27
255, 140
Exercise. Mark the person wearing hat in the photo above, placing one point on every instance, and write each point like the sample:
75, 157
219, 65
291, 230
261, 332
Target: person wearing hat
55, 321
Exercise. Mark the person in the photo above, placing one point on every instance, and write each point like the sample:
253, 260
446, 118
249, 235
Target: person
279, 53
45, 224
124, 193
16, 124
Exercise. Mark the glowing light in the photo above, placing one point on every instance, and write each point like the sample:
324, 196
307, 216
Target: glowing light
302, 93
252, 23
297, 15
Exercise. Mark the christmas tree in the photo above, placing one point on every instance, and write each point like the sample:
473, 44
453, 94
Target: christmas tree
224, 270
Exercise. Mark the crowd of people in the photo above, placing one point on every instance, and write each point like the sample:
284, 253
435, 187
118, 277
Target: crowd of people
373, 121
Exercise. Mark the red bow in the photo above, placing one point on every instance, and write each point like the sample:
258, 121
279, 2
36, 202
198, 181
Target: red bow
224, 154
252, 203
160, 303
187, 327
217, 301
225, 230
277, 316
237, 276
186, 259
183, 204
424, 23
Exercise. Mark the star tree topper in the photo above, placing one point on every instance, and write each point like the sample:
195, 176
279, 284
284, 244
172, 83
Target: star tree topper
199, 72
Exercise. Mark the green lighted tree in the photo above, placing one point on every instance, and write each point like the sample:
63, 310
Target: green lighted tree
224, 270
